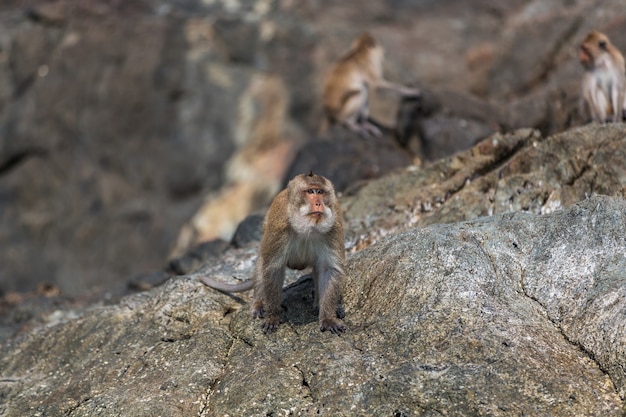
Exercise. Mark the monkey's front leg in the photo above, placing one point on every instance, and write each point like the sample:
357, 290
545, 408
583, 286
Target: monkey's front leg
258, 310
400, 89
272, 293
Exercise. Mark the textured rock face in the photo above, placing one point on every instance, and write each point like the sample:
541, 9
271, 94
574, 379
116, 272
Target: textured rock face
508, 315
505, 173
116, 119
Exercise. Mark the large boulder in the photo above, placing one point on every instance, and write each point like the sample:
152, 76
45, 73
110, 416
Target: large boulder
512, 314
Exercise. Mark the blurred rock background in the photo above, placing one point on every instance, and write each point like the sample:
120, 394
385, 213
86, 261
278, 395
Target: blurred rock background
132, 131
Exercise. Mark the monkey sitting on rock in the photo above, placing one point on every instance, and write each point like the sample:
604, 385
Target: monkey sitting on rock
345, 95
303, 228
604, 82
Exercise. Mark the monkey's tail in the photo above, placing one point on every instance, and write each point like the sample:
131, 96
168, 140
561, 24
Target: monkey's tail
225, 287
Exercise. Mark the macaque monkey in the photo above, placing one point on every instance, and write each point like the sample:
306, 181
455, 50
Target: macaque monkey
604, 82
345, 95
302, 228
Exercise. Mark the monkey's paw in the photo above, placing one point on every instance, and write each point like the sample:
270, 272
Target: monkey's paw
334, 326
270, 324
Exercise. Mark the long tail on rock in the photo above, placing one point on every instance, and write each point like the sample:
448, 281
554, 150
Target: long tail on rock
225, 287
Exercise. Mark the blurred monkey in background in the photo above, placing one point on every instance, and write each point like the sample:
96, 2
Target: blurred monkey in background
345, 94
604, 82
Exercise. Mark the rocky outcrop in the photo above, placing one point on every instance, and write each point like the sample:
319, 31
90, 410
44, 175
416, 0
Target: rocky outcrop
516, 306
513, 314
520, 171
117, 119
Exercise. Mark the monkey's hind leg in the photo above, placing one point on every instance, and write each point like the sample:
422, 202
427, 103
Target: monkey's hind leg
355, 114
257, 309
364, 129
272, 294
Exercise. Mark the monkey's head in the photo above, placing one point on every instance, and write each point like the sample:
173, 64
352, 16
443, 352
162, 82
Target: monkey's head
593, 46
313, 203
366, 46
365, 41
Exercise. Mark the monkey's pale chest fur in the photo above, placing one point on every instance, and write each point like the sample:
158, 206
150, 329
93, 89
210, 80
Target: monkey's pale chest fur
604, 77
304, 250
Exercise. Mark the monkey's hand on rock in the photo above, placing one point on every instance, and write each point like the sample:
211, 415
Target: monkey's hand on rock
334, 326
270, 324
341, 313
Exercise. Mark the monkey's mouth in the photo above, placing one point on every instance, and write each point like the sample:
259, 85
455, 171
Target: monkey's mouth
316, 215
583, 54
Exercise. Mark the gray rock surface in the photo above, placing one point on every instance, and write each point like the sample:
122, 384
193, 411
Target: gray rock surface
522, 170
515, 314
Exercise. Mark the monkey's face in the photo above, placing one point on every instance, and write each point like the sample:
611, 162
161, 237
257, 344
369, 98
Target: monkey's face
594, 45
314, 207
313, 204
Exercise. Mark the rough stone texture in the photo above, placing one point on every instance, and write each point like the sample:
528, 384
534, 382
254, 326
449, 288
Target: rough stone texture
516, 314
518, 171
249, 230
442, 123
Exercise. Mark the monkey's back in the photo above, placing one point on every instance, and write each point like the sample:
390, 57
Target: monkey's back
343, 77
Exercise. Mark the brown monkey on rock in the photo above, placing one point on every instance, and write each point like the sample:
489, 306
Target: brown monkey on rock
604, 82
345, 95
303, 227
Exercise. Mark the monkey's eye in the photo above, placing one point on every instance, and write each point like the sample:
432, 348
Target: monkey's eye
310, 191
602, 44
